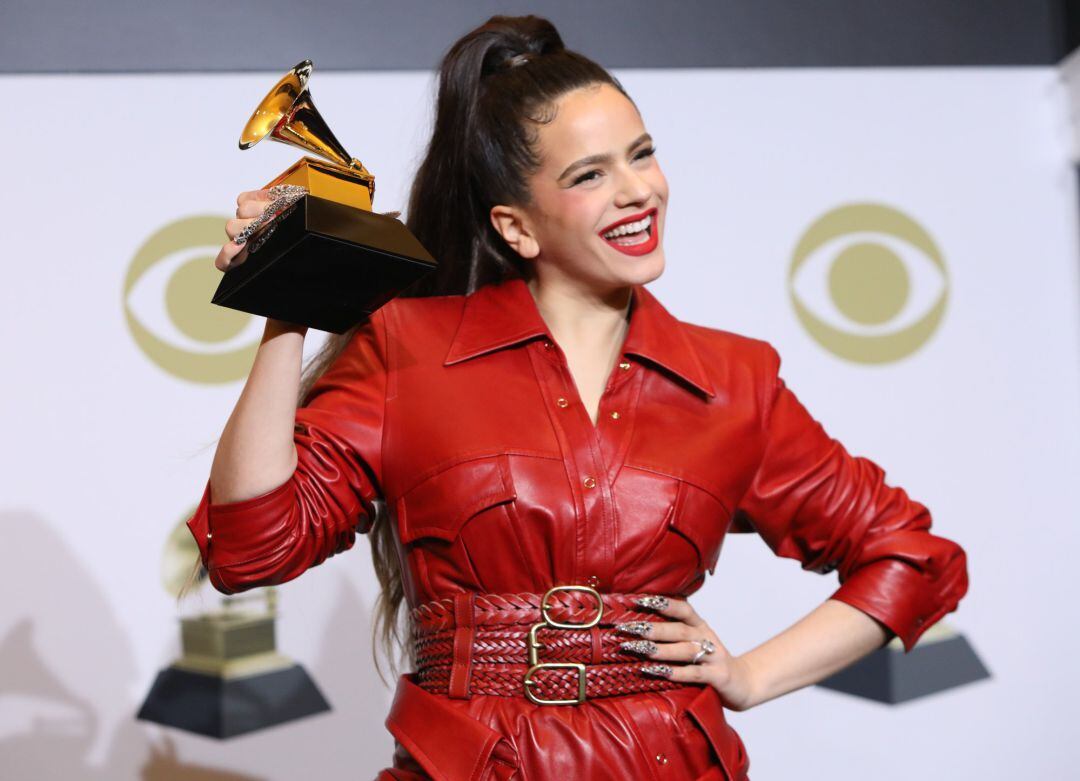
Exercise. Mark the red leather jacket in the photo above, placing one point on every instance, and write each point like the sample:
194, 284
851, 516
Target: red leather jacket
460, 412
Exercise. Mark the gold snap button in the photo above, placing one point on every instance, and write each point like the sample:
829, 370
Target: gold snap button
562, 402
615, 415
590, 482
592, 581
662, 759
624, 365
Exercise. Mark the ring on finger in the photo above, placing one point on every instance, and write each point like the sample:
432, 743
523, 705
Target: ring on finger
707, 647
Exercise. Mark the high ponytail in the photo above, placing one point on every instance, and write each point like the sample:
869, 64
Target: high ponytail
497, 84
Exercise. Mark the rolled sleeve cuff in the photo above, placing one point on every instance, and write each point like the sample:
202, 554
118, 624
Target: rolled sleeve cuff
233, 545
898, 596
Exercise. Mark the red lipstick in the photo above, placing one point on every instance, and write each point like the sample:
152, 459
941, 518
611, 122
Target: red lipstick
643, 248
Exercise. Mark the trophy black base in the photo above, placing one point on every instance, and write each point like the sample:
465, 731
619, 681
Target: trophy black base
224, 708
324, 265
892, 676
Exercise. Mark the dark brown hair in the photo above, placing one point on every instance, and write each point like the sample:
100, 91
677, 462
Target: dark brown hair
497, 84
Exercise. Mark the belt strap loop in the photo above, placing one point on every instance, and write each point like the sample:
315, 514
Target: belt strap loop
597, 646
461, 671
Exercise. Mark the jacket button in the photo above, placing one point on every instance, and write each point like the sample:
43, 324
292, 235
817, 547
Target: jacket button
592, 581
615, 415
562, 402
624, 365
590, 482
662, 759
547, 344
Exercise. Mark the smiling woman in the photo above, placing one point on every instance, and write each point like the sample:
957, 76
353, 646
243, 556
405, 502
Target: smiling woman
548, 461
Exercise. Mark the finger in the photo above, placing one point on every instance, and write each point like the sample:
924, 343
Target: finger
233, 227
226, 255
679, 609
252, 208
682, 651
688, 673
263, 194
663, 631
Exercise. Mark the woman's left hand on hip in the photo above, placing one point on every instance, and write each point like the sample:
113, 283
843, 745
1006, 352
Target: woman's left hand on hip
674, 644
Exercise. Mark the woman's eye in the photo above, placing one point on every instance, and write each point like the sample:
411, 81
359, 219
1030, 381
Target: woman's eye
585, 177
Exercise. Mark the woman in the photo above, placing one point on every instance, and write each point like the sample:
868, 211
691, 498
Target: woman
558, 458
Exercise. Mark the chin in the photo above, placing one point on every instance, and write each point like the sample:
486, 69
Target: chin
645, 269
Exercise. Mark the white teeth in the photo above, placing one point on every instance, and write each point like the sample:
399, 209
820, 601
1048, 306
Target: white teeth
630, 227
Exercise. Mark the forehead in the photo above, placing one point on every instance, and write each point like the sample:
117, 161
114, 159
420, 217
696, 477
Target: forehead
590, 120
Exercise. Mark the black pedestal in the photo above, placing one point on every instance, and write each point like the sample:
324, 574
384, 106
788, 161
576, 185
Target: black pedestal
889, 675
223, 708
324, 265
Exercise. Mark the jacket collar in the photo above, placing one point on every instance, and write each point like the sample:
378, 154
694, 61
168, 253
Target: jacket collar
504, 314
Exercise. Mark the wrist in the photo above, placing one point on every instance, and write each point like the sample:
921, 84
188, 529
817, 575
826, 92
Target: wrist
277, 327
751, 682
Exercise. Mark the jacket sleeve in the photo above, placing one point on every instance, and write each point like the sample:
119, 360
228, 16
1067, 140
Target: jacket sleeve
316, 513
812, 501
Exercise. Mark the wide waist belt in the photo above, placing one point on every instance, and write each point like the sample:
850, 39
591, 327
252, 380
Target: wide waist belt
554, 648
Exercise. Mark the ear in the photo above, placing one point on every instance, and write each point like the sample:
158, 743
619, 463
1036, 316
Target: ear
514, 228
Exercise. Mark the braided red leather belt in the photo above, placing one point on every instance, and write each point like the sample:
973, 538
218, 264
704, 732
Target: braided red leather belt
555, 648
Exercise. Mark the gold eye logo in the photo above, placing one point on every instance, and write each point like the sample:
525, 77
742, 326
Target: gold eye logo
868, 283
166, 300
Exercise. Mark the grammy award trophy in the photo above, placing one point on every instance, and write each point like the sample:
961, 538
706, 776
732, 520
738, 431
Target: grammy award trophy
326, 260
230, 679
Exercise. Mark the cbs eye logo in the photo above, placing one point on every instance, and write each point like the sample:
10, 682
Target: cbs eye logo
166, 297
868, 283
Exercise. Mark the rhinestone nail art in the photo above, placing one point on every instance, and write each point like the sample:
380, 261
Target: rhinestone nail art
639, 628
647, 647
653, 601
287, 196
659, 670
287, 189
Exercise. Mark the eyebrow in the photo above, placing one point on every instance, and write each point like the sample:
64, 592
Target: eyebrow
604, 158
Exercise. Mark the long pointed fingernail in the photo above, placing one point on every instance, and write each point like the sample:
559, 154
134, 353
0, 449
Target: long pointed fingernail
647, 647
659, 670
653, 601
288, 189
639, 628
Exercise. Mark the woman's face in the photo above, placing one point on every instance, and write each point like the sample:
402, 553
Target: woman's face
598, 171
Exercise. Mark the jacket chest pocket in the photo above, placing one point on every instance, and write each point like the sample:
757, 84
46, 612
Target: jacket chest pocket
703, 520
444, 502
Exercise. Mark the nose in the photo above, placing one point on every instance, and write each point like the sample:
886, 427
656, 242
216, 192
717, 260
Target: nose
632, 189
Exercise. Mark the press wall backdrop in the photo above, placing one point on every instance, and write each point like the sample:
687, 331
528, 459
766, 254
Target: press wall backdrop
906, 238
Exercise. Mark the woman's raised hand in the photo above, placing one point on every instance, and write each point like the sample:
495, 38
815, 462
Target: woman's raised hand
683, 639
250, 204
253, 208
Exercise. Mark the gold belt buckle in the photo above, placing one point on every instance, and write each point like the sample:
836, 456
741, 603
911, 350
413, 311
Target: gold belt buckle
535, 645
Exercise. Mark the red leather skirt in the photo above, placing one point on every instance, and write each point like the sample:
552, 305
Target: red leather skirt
673, 734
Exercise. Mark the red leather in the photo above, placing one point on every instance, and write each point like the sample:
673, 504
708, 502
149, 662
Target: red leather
479, 644
460, 413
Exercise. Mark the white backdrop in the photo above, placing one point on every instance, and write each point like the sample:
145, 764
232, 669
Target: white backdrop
105, 452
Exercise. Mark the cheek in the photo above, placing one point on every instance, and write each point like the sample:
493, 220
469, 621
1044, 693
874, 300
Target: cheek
659, 184
580, 213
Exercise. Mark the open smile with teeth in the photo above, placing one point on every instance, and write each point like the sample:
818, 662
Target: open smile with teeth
631, 233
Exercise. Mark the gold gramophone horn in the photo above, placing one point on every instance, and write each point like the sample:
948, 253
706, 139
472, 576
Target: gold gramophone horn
288, 115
